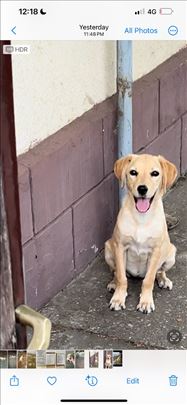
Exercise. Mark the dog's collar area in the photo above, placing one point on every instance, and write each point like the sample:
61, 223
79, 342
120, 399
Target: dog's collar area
143, 204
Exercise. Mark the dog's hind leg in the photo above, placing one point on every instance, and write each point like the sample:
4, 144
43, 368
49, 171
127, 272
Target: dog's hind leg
109, 257
162, 279
112, 285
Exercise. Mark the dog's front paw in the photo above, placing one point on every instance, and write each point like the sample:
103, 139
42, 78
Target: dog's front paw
117, 302
146, 304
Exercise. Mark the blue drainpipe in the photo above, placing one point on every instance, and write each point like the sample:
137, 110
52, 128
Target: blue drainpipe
124, 83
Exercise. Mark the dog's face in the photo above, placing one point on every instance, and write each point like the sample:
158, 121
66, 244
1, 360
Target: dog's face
145, 176
70, 358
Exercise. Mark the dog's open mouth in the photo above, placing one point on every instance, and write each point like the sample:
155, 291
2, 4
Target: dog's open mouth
143, 204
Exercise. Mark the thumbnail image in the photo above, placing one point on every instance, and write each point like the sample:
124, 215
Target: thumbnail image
107, 358
22, 359
12, 359
50, 359
31, 359
93, 358
117, 358
70, 359
40, 359
79, 359
61, 359
3, 359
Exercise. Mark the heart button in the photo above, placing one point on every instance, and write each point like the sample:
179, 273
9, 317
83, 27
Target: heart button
51, 380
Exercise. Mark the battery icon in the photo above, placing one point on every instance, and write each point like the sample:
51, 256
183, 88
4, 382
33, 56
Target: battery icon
166, 11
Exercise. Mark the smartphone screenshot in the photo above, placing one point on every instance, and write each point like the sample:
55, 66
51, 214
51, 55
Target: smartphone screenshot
93, 278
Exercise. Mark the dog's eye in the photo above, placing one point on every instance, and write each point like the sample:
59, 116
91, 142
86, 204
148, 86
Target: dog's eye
134, 173
154, 173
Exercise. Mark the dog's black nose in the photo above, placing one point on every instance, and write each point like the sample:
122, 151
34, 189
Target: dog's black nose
142, 189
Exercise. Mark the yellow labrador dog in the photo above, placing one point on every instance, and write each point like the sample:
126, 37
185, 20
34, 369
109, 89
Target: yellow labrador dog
140, 244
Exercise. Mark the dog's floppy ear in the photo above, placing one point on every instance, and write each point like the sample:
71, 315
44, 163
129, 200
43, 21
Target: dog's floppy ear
169, 173
120, 168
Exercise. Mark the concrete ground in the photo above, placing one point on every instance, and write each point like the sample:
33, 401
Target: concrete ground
80, 315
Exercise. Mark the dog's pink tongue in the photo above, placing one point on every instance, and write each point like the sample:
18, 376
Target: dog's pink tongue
143, 204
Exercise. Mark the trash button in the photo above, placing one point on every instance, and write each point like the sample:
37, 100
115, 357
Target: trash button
173, 380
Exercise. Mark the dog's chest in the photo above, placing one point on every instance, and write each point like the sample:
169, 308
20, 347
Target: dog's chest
139, 247
139, 238
137, 258
138, 254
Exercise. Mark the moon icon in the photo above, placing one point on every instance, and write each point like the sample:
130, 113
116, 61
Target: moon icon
43, 12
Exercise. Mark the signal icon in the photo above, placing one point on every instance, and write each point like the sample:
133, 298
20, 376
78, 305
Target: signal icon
142, 11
